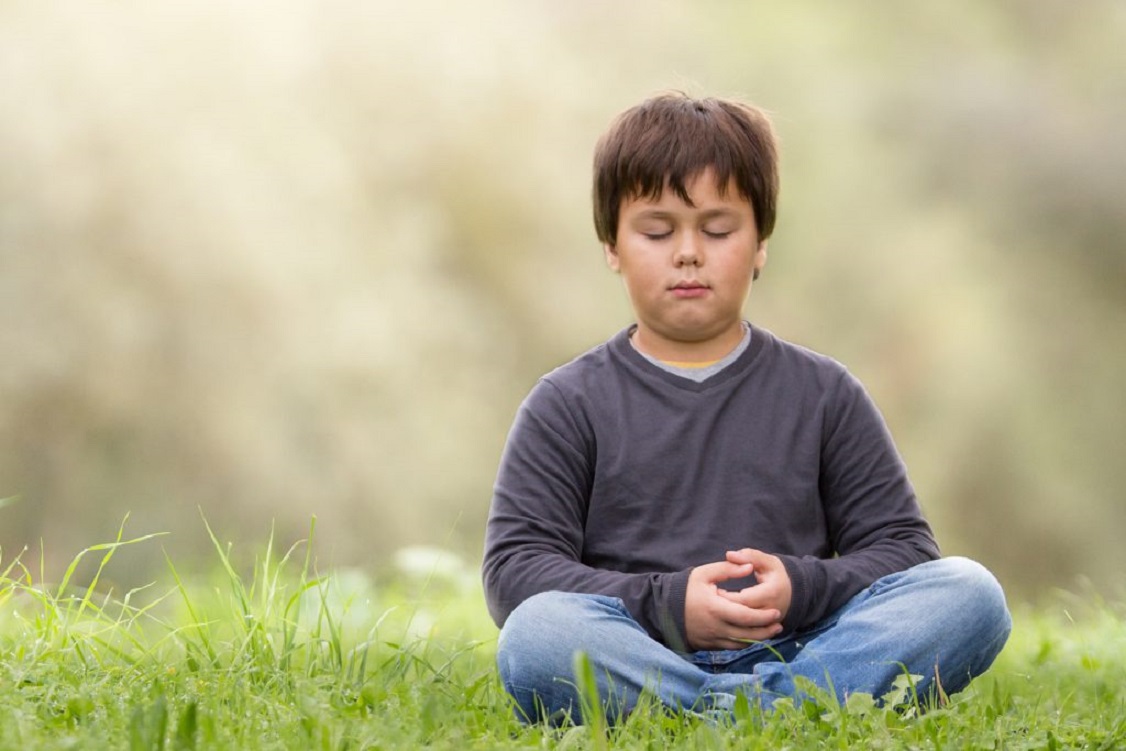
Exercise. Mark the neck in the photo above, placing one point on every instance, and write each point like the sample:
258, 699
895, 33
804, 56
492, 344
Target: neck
687, 351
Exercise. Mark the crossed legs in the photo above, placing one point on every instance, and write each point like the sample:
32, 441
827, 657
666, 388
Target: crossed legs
945, 620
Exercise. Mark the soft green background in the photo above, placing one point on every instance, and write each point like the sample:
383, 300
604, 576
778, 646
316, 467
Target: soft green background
277, 259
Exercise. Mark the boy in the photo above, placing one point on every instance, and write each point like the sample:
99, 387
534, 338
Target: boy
700, 507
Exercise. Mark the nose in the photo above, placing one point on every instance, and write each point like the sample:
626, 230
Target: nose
687, 251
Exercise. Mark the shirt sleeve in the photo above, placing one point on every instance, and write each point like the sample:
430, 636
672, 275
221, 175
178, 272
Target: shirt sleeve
535, 530
875, 525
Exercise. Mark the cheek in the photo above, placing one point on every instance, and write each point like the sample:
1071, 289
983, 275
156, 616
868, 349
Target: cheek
641, 285
738, 264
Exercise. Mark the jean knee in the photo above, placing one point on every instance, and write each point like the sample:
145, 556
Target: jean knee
545, 616
535, 653
533, 645
978, 593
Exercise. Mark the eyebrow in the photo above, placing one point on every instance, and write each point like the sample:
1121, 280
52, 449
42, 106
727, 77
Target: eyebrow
663, 214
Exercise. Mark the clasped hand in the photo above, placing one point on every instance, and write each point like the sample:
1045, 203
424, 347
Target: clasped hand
715, 618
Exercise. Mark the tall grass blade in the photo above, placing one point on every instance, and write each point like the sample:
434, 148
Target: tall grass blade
197, 623
593, 710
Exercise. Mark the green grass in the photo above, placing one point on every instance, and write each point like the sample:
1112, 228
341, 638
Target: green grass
268, 653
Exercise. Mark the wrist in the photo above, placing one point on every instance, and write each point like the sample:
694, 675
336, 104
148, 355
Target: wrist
674, 630
797, 606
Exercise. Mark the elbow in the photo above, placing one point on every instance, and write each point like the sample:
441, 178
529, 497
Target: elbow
495, 598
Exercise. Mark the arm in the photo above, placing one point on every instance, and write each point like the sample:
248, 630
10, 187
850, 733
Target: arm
874, 521
536, 526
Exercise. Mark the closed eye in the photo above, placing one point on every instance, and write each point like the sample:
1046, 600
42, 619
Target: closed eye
717, 235
657, 235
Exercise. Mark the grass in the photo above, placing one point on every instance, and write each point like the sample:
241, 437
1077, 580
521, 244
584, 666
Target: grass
271, 654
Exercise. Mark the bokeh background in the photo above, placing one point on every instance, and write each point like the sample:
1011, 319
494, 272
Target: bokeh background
275, 260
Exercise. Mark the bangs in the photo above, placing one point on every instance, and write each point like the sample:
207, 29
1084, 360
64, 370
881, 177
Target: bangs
675, 158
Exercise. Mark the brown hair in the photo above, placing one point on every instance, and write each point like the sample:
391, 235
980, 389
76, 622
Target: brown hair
670, 139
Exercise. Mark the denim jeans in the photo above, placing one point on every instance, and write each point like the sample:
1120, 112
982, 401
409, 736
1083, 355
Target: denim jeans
944, 620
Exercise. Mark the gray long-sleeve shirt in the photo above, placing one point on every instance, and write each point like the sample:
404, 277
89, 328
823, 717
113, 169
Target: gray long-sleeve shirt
619, 477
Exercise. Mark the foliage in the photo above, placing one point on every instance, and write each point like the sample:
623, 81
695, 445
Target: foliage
281, 656
293, 251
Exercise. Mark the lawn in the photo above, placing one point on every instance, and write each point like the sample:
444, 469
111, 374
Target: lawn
266, 652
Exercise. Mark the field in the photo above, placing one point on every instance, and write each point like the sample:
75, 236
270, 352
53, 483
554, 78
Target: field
269, 653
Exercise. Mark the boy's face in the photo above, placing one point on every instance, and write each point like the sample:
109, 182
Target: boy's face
688, 269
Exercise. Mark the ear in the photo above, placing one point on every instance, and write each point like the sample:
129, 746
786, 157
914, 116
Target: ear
760, 259
613, 260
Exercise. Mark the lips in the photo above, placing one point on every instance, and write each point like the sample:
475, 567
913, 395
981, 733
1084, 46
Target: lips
689, 289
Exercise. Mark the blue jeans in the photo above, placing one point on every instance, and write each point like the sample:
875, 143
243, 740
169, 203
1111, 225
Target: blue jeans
944, 620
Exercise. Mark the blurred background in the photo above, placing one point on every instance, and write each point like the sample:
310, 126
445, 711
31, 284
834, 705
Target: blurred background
276, 260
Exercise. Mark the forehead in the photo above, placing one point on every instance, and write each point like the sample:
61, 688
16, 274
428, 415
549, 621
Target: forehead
700, 191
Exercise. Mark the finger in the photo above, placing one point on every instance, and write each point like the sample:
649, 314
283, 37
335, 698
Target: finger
760, 560
748, 637
743, 555
743, 638
723, 570
743, 617
759, 596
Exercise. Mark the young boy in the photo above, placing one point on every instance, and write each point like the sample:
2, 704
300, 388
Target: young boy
700, 507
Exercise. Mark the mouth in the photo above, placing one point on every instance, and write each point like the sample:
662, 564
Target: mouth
689, 289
